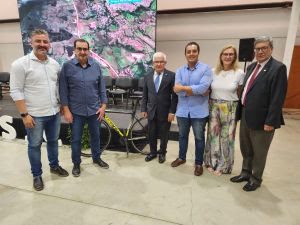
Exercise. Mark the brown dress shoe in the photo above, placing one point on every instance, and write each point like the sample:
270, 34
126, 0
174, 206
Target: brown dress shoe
177, 162
198, 170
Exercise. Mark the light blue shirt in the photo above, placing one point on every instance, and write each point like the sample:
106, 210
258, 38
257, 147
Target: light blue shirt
199, 79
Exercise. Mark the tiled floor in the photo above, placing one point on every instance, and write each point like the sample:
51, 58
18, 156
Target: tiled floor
133, 192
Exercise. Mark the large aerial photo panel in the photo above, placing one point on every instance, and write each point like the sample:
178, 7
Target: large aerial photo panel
121, 33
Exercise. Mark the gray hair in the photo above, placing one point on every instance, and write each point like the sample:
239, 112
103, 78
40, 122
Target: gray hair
159, 54
264, 39
38, 32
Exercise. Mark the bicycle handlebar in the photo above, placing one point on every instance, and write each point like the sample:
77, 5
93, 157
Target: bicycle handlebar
119, 111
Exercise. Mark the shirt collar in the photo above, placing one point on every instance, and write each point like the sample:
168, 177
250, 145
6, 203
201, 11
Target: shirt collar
89, 62
33, 57
264, 63
162, 73
196, 66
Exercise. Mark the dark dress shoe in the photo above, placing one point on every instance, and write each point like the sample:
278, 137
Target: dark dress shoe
76, 170
149, 157
101, 163
198, 170
161, 158
59, 171
239, 178
38, 183
251, 186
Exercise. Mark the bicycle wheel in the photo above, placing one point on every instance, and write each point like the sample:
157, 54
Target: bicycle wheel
105, 136
138, 136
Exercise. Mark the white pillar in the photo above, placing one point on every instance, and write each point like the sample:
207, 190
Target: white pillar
291, 36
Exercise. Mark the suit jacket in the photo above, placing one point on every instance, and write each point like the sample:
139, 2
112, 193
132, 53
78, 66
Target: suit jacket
163, 102
265, 99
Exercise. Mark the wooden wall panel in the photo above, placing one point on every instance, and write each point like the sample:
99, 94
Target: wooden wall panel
292, 99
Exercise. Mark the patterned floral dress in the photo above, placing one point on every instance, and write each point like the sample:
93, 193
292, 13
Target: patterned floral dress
219, 149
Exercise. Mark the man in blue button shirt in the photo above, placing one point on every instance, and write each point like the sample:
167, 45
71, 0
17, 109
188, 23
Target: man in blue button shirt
191, 84
83, 98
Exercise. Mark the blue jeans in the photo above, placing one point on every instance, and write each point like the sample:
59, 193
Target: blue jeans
198, 125
77, 130
51, 125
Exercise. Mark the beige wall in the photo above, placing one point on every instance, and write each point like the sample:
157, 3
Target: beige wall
10, 44
9, 10
215, 29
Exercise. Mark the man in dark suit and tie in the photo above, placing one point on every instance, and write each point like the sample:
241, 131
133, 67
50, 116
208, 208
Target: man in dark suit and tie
159, 104
262, 99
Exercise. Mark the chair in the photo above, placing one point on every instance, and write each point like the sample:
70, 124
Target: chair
123, 86
108, 85
4, 82
138, 93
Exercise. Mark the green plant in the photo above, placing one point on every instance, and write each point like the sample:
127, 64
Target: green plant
85, 140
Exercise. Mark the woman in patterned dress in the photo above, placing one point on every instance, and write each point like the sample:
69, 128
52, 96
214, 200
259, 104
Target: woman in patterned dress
225, 89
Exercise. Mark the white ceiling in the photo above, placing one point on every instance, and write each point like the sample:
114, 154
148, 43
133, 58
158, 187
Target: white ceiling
188, 4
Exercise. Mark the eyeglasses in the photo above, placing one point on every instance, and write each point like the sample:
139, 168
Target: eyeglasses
159, 62
82, 49
263, 49
228, 54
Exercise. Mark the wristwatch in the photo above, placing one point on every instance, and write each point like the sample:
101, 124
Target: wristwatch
23, 115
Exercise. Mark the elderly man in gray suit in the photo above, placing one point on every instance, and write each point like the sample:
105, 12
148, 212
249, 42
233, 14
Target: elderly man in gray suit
159, 104
262, 98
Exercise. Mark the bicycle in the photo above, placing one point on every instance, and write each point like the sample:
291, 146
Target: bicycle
136, 133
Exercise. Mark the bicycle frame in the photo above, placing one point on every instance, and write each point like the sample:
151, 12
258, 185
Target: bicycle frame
113, 126
133, 117
128, 135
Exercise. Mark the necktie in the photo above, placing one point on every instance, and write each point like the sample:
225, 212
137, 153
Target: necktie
156, 82
251, 81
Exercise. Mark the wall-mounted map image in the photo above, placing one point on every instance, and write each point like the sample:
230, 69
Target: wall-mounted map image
121, 33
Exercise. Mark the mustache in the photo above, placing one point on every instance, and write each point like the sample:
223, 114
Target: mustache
42, 48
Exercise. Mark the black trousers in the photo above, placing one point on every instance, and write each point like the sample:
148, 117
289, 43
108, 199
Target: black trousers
158, 129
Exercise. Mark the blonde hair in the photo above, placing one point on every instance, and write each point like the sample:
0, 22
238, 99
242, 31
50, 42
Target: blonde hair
234, 64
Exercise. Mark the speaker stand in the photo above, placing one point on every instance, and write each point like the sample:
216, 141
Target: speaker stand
245, 63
